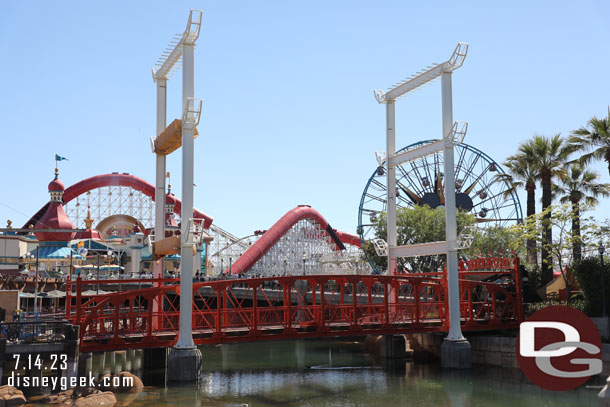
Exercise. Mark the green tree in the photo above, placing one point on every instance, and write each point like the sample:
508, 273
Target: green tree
580, 185
596, 137
550, 155
560, 247
522, 173
419, 224
497, 240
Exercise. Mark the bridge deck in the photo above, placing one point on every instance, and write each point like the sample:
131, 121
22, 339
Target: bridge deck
277, 308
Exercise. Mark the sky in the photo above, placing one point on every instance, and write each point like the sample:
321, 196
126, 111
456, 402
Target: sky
289, 115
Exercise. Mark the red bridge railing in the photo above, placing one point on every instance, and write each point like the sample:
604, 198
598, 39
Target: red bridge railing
289, 307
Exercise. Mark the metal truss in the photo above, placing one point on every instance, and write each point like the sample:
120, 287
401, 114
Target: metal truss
307, 249
225, 248
111, 200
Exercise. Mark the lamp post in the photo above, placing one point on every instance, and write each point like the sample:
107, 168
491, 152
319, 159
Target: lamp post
304, 260
285, 263
98, 273
36, 287
31, 258
119, 257
105, 256
108, 256
65, 258
600, 249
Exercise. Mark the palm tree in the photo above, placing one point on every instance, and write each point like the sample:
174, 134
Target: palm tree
522, 174
580, 185
596, 138
550, 155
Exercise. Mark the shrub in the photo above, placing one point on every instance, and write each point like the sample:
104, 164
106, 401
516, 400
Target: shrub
588, 275
529, 288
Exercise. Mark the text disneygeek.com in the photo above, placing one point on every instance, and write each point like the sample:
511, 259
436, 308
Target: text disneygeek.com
64, 383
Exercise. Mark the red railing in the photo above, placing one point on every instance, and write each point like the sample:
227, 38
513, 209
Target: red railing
293, 307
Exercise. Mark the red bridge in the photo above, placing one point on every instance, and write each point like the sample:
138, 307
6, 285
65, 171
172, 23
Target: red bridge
291, 307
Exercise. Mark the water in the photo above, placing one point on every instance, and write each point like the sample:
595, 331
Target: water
334, 373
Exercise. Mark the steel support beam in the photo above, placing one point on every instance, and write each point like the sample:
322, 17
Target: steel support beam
414, 83
416, 153
391, 193
455, 331
421, 249
158, 266
185, 337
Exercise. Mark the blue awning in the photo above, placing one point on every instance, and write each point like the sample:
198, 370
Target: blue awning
57, 253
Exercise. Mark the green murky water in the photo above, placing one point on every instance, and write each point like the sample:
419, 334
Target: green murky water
333, 373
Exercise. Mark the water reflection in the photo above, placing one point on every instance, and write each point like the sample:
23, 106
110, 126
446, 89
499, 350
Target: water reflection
335, 373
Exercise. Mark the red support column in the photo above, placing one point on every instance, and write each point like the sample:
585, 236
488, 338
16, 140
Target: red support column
117, 310
255, 308
225, 308
518, 289
322, 316
68, 297
288, 304
342, 301
218, 312
469, 291
493, 306
78, 299
416, 295
354, 306
386, 305
131, 316
150, 319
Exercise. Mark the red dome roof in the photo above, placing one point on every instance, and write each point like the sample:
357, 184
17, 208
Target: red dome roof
56, 185
170, 199
89, 234
54, 218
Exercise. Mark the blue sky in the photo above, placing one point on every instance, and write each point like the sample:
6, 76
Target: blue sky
289, 113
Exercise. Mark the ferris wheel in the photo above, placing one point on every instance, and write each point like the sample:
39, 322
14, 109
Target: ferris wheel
420, 182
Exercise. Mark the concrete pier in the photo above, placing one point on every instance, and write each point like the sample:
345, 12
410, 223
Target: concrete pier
456, 354
71, 349
184, 364
85, 364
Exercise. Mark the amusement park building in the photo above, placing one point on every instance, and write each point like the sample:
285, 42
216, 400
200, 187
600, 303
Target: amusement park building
302, 241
